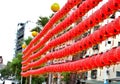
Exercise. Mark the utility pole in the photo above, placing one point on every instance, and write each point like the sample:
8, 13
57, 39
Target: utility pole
59, 78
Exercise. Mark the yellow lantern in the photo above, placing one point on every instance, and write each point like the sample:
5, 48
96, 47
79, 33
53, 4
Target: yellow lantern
23, 46
55, 7
34, 33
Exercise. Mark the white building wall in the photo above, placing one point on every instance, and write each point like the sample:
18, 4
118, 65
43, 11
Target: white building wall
103, 47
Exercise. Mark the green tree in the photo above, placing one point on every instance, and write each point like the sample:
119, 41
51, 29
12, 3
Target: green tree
37, 29
27, 41
7, 71
66, 77
16, 65
42, 21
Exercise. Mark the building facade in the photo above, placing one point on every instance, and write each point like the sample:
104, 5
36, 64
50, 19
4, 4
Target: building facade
110, 73
23, 32
19, 37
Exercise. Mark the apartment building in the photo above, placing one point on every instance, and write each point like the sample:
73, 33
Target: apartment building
97, 76
19, 37
110, 73
23, 32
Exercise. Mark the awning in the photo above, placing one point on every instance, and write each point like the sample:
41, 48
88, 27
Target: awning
94, 82
100, 82
114, 79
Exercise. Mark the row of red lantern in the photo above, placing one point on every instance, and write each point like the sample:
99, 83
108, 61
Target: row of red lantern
78, 30
111, 29
96, 61
68, 21
77, 14
66, 8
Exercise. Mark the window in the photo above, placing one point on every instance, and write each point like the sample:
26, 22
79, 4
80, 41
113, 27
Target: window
96, 27
108, 72
112, 16
96, 47
118, 73
109, 42
94, 74
86, 56
118, 43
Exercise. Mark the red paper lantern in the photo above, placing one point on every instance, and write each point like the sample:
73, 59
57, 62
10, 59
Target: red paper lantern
114, 4
84, 43
107, 10
81, 67
81, 44
56, 54
76, 15
110, 29
91, 39
103, 32
90, 62
98, 60
117, 53
86, 40
95, 18
74, 66
96, 63
86, 64
73, 2
68, 66
111, 55
99, 36
82, 8
105, 59
116, 24
28, 47
93, 61
91, 21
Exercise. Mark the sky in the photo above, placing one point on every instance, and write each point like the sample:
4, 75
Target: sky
13, 12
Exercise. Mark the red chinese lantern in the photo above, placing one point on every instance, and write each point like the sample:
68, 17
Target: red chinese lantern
84, 43
64, 67
101, 36
56, 54
81, 67
105, 59
110, 29
86, 63
98, 60
81, 44
68, 66
74, 66
90, 62
111, 55
73, 3
82, 8
27, 54
116, 24
95, 18
91, 39
27, 48
117, 53
93, 61
86, 40
103, 32
76, 15
97, 36
96, 63
91, 21
114, 4
107, 10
